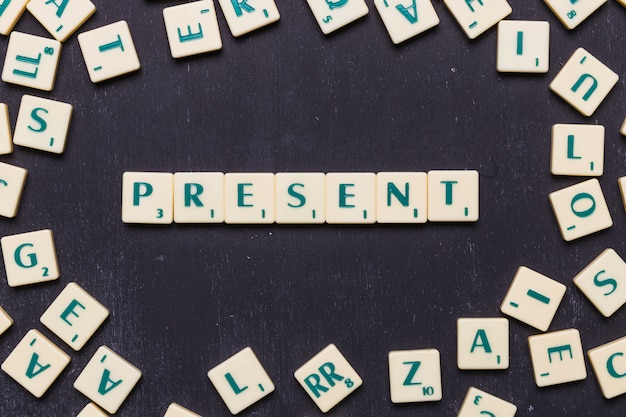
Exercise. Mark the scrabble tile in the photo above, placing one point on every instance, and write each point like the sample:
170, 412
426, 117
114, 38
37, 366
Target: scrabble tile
29, 258
580, 209
43, 124
603, 282
5, 321
476, 16
573, 12
198, 197
331, 15
148, 197
31, 61
483, 343
523, 46
245, 16
241, 380
175, 410
74, 316
6, 141
401, 197
622, 131
453, 196
405, 20
249, 198
609, 366
300, 197
577, 150
621, 182
107, 379
328, 378
192, 28
91, 410
109, 51
622, 2
533, 298
351, 198
12, 180
61, 17
584, 81
557, 357
10, 13
415, 376
478, 403
35, 363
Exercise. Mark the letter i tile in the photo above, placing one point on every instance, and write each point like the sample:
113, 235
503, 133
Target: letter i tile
584, 82
609, 365
557, 357
478, 403
91, 410
328, 378
29, 258
107, 379
35, 363
241, 381
335, 14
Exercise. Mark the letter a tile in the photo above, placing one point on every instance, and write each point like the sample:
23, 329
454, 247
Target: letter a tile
406, 19
241, 381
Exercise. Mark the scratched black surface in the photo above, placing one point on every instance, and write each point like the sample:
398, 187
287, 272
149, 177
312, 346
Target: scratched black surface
287, 98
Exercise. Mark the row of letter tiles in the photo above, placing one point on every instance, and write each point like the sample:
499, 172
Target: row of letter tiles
580, 209
29, 258
12, 181
577, 150
341, 198
573, 13
63, 19
523, 46
5, 321
10, 13
31, 61
584, 82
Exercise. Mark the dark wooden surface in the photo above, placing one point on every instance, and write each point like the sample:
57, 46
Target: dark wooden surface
288, 98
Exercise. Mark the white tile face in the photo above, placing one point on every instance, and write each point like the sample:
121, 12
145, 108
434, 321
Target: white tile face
622, 131
10, 13
43, 124
35, 363
61, 17
334, 14
483, 343
5, 321
609, 365
245, 16
249, 198
6, 141
12, 181
300, 197
30, 258
533, 298
241, 380
31, 61
453, 196
523, 46
557, 357
584, 81
74, 316
148, 197
476, 16
621, 182
402, 197
415, 376
406, 19
603, 282
351, 198
175, 410
328, 378
91, 410
107, 379
622, 2
577, 150
573, 12
109, 51
192, 28
198, 197
580, 209
478, 403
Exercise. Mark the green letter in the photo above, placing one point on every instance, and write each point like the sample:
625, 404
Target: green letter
42, 123
315, 386
449, 185
137, 194
31, 256
70, 310
296, 195
602, 283
411, 17
409, 378
611, 368
560, 350
31, 372
343, 196
402, 198
189, 196
241, 195
190, 36
480, 334
233, 384
106, 378
60, 7
330, 374
241, 6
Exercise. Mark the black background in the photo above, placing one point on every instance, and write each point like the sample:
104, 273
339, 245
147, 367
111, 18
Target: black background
183, 298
